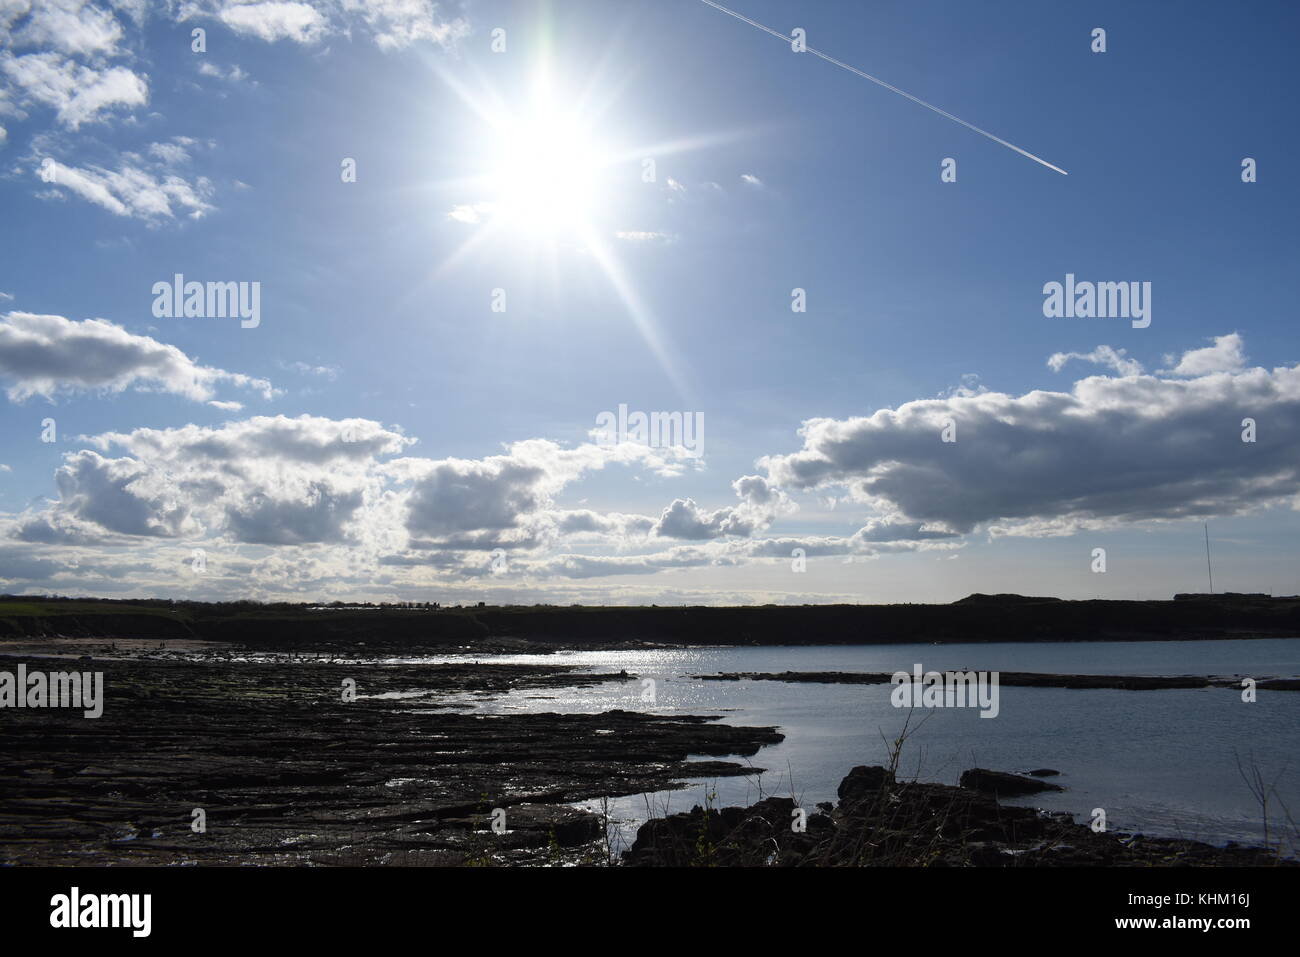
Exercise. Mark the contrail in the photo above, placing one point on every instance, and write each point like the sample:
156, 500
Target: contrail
887, 86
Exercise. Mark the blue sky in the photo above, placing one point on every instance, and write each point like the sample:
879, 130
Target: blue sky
384, 433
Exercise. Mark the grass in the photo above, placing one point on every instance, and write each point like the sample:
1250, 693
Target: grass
32, 609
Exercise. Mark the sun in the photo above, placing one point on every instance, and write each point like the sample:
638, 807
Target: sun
546, 179
546, 168
549, 182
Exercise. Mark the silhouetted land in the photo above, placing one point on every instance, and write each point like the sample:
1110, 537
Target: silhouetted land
290, 773
511, 628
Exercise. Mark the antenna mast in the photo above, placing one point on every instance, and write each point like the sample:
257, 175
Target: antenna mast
1208, 569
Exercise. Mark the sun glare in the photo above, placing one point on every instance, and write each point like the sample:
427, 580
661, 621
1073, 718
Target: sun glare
547, 172
543, 181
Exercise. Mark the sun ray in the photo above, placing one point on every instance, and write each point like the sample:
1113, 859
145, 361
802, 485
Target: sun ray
544, 183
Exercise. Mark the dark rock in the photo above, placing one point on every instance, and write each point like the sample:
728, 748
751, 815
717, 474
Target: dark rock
731, 835
1002, 784
1043, 773
918, 825
864, 783
302, 777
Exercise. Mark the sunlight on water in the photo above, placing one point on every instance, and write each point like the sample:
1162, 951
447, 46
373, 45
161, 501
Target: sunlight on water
1160, 762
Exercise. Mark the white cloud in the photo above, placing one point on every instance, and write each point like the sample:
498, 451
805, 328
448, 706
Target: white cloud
761, 503
750, 179
471, 213
77, 93
305, 368
266, 480
399, 23
173, 153
392, 24
340, 505
643, 236
1226, 355
151, 195
274, 20
50, 355
233, 74
1116, 359
69, 26
1113, 450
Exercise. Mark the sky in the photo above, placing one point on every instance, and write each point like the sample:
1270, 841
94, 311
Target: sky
475, 231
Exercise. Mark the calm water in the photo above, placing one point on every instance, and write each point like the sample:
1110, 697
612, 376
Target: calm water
1159, 762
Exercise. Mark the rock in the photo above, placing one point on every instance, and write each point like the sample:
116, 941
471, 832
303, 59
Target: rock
1043, 773
864, 782
919, 825
1002, 784
727, 836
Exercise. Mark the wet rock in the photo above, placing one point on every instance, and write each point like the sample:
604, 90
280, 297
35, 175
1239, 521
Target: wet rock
1002, 784
289, 773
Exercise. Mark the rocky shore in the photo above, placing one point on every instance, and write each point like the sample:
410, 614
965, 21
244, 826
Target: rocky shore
287, 772
880, 821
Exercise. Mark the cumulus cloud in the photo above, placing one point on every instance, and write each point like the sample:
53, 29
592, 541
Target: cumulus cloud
506, 501
274, 20
268, 480
113, 495
760, 505
77, 93
262, 444
342, 493
1112, 450
318, 513
1226, 355
327, 503
50, 355
69, 26
1115, 359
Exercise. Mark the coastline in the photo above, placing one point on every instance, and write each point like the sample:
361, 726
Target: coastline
289, 774
506, 629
